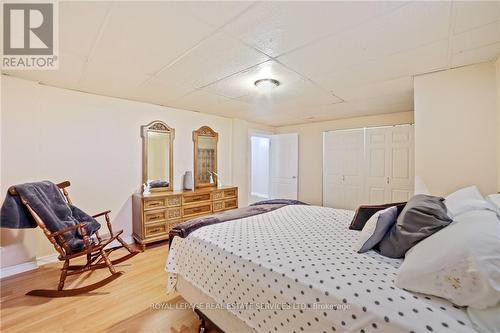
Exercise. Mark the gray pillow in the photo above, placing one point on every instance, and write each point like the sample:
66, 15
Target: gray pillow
422, 216
385, 221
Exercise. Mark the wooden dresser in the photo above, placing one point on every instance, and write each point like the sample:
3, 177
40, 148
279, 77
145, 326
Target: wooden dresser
156, 213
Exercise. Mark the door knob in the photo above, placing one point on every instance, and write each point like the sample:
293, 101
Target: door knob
294, 177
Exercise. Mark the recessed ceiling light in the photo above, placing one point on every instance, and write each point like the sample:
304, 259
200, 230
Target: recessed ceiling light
266, 84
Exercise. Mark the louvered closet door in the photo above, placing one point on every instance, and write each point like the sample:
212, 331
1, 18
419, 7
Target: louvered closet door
389, 164
343, 169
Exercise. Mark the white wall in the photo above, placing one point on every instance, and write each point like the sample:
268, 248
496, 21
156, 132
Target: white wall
311, 147
456, 140
93, 141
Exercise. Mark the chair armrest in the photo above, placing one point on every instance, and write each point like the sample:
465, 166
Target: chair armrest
65, 230
108, 220
85, 237
101, 214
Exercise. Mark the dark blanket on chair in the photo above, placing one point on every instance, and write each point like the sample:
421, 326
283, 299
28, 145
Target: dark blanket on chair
47, 201
184, 229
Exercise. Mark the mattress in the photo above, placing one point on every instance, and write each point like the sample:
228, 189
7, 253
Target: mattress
295, 269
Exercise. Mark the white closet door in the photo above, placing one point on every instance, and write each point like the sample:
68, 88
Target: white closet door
401, 175
343, 169
389, 164
353, 168
333, 190
377, 165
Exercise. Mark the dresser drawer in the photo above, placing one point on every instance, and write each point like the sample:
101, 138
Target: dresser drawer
193, 210
217, 195
155, 203
174, 213
193, 198
218, 206
231, 193
174, 200
230, 204
153, 216
156, 229
172, 224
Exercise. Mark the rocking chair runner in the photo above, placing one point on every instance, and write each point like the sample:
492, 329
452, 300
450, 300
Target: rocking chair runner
96, 253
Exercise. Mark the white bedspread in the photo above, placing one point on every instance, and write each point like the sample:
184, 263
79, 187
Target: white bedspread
301, 258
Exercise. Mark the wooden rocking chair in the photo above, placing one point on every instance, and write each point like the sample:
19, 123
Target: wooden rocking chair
97, 255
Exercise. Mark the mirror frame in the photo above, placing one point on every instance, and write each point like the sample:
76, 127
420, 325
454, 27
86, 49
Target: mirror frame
159, 127
204, 131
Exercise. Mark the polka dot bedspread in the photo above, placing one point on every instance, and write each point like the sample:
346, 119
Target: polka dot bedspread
295, 269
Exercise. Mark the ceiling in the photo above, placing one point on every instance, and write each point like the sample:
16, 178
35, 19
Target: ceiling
333, 59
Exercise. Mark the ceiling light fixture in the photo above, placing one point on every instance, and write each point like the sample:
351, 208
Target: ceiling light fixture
266, 84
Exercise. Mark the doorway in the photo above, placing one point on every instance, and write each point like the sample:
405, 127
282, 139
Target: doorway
259, 165
273, 166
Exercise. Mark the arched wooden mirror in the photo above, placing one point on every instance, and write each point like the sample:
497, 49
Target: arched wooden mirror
205, 157
158, 155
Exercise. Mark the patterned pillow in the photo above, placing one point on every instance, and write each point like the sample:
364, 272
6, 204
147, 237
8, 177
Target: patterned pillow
460, 263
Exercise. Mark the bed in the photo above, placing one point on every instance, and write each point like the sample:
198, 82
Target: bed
294, 269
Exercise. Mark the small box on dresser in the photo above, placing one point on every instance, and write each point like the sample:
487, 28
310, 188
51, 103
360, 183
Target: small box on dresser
156, 213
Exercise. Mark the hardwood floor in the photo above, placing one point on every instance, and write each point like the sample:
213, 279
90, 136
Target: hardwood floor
128, 304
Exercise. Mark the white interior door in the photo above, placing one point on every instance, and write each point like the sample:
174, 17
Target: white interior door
377, 165
343, 184
333, 170
353, 168
401, 177
389, 164
284, 166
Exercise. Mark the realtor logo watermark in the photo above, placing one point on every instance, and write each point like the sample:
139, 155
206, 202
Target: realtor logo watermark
30, 35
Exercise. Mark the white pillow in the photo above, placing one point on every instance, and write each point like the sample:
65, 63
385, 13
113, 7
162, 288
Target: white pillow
463, 200
487, 320
494, 199
460, 262
470, 205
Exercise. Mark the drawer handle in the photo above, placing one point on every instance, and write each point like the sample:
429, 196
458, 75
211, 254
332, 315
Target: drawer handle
154, 203
155, 230
154, 217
